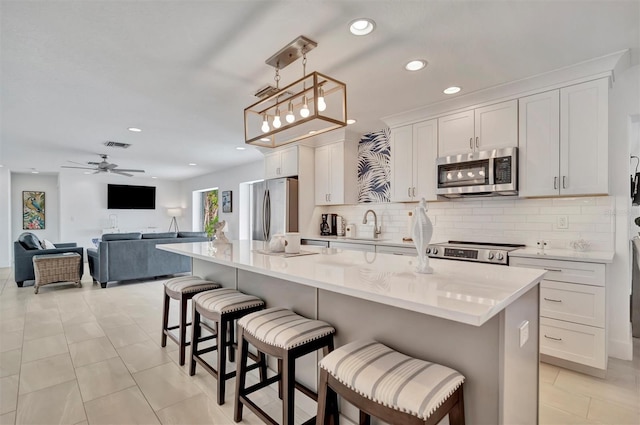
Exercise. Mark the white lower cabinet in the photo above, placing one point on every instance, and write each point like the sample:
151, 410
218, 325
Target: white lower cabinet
397, 250
572, 310
353, 246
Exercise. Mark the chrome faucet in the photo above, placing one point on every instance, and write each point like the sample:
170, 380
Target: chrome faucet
376, 228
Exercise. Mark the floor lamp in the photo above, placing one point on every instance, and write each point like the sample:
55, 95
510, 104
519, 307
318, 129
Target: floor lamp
174, 212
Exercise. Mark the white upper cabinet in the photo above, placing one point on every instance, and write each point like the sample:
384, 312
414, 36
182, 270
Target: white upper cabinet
413, 159
281, 163
490, 127
584, 124
335, 174
539, 144
563, 141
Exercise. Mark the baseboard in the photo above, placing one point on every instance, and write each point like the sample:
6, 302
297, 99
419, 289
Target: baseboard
566, 364
622, 350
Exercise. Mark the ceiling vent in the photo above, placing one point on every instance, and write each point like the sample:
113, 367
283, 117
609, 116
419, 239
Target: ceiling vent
116, 144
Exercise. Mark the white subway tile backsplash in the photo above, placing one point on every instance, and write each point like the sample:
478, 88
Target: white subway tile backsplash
496, 220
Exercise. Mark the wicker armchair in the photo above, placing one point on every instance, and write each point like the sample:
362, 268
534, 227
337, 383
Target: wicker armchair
23, 258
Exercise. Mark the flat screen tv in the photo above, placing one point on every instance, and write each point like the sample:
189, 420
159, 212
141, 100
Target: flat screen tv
125, 197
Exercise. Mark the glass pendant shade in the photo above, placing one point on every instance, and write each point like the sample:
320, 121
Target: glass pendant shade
265, 124
276, 119
322, 105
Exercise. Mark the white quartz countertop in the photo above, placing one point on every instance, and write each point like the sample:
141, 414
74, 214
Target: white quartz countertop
565, 254
460, 291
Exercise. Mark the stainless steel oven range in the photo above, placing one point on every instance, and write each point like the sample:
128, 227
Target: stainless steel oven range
481, 252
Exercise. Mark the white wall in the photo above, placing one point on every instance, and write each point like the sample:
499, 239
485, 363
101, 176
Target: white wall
624, 102
6, 241
84, 213
229, 179
47, 183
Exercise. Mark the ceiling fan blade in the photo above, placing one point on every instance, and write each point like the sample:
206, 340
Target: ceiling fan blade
91, 163
121, 173
81, 168
96, 172
79, 163
129, 170
111, 166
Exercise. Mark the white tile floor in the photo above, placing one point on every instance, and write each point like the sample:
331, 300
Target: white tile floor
92, 356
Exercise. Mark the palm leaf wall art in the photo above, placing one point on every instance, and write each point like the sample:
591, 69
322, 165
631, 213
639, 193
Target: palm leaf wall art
374, 152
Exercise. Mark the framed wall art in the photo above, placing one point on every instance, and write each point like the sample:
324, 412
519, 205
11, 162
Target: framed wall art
226, 201
33, 211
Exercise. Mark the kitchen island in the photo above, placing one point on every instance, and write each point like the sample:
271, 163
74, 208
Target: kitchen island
471, 317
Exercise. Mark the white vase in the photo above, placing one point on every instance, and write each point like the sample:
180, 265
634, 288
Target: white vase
422, 232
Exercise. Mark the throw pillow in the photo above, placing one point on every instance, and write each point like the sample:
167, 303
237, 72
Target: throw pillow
192, 234
47, 244
29, 241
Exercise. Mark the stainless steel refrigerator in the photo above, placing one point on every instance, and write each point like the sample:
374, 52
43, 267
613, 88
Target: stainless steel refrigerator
274, 208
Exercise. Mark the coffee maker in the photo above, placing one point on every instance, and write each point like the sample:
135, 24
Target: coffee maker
329, 225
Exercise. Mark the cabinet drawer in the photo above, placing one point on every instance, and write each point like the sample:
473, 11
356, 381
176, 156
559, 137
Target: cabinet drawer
577, 343
353, 246
397, 250
565, 271
583, 304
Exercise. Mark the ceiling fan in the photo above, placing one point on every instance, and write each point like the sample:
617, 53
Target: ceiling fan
105, 167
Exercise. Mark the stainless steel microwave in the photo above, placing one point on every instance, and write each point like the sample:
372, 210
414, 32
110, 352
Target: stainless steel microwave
486, 173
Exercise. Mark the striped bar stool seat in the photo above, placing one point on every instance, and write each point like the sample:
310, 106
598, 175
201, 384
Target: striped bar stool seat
181, 289
287, 336
222, 306
389, 385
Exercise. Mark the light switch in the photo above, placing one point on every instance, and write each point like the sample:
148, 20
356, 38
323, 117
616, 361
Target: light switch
524, 333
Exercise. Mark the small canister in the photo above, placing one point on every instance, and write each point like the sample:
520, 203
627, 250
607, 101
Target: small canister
350, 230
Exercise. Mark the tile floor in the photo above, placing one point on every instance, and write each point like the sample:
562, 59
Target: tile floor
93, 356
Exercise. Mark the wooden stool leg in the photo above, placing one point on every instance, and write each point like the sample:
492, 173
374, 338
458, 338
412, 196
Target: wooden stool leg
456, 414
365, 419
288, 380
183, 328
195, 336
280, 381
321, 415
165, 319
232, 351
241, 375
263, 366
222, 358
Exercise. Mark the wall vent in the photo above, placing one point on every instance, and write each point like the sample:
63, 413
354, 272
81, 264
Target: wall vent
116, 144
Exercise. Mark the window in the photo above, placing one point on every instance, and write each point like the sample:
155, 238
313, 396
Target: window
209, 204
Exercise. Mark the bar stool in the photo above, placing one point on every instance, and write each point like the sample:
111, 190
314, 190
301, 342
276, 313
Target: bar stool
181, 289
389, 385
283, 334
223, 306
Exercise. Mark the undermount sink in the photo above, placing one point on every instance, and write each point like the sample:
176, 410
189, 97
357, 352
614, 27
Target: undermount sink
365, 239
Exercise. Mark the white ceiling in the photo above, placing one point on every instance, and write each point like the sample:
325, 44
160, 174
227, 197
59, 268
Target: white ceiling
77, 73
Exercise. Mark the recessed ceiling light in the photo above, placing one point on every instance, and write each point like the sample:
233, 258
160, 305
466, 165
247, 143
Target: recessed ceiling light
135, 129
265, 139
35, 172
312, 132
415, 65
154, 177
193, 164
451, 90
240, 148
351, 121
362, 26
87, 172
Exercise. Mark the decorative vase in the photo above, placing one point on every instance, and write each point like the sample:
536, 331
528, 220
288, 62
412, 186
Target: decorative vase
421, 233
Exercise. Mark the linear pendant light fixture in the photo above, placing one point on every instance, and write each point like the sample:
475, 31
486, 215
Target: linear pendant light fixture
312, 105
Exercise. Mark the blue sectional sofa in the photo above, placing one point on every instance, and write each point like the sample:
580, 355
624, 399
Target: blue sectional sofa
127, 256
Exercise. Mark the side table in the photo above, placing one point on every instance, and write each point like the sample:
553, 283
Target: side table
57, 268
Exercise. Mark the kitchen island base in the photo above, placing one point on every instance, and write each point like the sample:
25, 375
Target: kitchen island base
501, 384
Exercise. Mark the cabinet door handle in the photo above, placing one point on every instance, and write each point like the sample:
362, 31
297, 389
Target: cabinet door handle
552, 300
555, 182
409, 192
553, 270
550, 337
329, 195
477, 143
471, 143
564, 182
414, 192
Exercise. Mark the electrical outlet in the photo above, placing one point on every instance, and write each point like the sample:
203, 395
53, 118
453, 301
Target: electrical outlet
524, 333
563, 222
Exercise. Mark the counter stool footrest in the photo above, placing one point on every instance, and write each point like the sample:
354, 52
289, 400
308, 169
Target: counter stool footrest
260, 385
176, 339
257, 411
